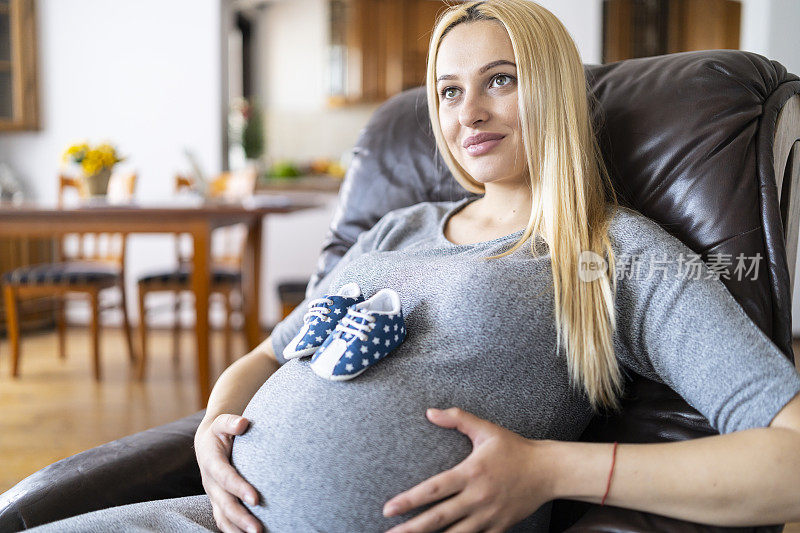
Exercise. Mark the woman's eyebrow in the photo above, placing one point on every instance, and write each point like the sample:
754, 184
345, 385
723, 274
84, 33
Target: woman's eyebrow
483, 69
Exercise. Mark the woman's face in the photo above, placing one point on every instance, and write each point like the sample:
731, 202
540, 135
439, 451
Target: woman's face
477, 86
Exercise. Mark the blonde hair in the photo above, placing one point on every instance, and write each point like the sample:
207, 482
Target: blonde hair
571, 188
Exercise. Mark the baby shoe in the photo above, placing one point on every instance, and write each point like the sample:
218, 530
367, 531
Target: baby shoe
367, 334
322, 316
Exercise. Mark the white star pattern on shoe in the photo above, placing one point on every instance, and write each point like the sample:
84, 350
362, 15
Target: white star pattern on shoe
387, 342
337, 311
314, 322
299, 344
402, 330
364, 349
319, 339
376, 340
377, 355
365, 362
328, 331
395, 327
386, 328
396, 338
348, 367
348, 354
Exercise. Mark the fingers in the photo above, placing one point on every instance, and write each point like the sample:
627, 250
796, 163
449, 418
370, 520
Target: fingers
432, 489
221, 481
225, 425
223, 473
465, 422
229, 511
474, 523
223, 523
436, 517
220, 468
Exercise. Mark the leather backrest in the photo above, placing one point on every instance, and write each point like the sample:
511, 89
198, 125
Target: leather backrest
686, 138
680, 137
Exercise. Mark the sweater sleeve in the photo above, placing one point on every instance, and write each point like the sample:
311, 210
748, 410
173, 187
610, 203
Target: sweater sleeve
678, 324
367, 241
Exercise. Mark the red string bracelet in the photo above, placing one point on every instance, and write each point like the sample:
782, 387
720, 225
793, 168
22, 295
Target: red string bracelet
613, 462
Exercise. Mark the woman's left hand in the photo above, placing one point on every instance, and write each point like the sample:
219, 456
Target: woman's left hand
506, 478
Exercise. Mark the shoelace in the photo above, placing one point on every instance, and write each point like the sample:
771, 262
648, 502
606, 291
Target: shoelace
315, 309
351, 327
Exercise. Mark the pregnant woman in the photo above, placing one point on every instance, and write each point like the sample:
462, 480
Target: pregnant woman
507, 335
505, 339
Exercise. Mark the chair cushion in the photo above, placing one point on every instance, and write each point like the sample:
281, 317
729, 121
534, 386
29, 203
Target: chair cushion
181, 276
66, 273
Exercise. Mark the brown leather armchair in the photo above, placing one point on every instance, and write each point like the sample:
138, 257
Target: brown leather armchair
705, 143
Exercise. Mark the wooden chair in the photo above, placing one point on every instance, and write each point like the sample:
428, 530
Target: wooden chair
226, 268
97, 264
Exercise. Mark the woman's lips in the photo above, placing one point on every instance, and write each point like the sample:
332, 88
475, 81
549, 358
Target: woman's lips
482, 148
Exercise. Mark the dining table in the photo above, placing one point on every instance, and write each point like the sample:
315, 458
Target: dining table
196, 218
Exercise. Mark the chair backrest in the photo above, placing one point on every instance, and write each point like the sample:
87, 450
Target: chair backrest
99, 247
689, 141
705, 143
227, 243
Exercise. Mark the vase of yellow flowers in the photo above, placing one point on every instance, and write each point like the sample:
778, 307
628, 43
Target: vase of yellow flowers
96, 164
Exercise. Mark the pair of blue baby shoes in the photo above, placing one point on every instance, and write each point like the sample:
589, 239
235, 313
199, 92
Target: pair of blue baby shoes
347, 333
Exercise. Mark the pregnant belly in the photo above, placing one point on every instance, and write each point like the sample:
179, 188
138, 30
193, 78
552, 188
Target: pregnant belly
326, 456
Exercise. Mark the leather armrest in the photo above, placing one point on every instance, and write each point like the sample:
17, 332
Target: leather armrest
608, 519
153, 464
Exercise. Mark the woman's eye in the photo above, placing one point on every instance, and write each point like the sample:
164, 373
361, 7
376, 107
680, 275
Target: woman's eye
446, 91
503, 76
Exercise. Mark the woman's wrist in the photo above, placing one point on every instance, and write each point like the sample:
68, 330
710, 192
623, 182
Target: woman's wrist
578, 470
239, 382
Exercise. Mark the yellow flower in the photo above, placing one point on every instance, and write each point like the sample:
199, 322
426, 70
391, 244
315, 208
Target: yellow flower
75, 152
92, 160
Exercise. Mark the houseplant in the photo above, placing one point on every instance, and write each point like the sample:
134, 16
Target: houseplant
96, 164
246, 134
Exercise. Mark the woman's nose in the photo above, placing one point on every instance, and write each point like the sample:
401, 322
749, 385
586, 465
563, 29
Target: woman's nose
473, 109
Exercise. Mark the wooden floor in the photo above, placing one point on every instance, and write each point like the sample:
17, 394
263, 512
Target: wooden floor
55, 408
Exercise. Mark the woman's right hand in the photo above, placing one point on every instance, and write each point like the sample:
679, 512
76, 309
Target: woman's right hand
223, 484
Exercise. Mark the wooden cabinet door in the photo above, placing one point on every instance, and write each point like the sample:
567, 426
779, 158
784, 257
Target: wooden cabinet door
18, 86
379, 47
641, 28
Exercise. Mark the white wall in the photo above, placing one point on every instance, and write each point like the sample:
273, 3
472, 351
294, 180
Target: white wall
294, 38
584, 22
769, 28
784, 34
144, 75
